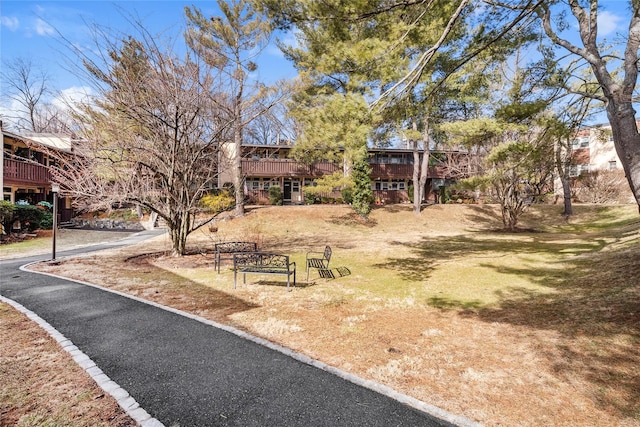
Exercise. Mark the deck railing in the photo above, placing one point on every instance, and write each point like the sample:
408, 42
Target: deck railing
27, 173
285, 167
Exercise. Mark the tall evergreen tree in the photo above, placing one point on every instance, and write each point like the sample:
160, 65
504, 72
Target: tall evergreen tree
396, 54
231, 44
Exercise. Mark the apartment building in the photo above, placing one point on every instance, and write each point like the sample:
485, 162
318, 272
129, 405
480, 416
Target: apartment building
264, 166
24, 173
26, 159
593, 150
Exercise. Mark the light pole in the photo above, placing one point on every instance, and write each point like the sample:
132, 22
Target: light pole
55, 187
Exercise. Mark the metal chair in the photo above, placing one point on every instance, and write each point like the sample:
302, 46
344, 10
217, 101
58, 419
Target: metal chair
318, 260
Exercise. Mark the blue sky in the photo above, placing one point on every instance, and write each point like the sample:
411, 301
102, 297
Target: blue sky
30, 30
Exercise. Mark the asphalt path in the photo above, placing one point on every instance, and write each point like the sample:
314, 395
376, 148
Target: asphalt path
184, 371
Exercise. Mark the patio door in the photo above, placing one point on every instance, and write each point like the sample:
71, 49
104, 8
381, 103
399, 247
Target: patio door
286, 196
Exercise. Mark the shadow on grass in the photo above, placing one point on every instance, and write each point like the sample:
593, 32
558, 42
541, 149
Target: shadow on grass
276, 283
162, 285
596, 311
447, 303
593, 304
353, 219
431, 252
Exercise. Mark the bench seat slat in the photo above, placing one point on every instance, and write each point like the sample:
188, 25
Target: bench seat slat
263, 263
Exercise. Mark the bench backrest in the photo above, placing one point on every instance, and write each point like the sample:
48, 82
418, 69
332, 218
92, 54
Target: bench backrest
327, 253
233, 247
260, 259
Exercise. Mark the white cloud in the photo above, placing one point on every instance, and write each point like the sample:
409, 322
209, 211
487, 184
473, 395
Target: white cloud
44, 29
72, 96
607, 23
290, 38
67, 100
10, 22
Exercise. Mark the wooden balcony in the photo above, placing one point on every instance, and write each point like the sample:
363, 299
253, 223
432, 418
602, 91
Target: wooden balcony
291, 168
391, 171
398, 171
285, 167
22, 173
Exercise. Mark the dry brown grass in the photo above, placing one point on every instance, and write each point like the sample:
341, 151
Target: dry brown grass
42, 386
531, 329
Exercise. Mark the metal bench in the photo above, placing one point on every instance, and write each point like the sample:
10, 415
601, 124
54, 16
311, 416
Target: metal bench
226, 250
319, 261
263, 263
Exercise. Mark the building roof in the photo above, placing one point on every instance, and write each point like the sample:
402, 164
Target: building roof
54, 141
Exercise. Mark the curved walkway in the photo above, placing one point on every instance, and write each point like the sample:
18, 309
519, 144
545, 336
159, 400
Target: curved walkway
167, 367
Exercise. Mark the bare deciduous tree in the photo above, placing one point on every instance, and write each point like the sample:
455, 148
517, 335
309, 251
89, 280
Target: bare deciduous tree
27, 86
151, 137
616, 75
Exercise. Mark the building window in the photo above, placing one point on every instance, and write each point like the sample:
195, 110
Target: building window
253, 184
613, 165
577, 170
382, 185
581, 142
397, 184
22, 152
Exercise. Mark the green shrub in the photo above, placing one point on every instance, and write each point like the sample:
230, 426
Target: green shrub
362, 193
29, 216
445, 194
310, 198
7, 210
347, 195
47, 220
275, 195
410, 192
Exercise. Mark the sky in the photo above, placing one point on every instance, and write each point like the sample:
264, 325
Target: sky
32, 30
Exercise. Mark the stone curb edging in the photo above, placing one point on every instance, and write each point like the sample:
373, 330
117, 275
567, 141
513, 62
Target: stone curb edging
126, 402
432, 410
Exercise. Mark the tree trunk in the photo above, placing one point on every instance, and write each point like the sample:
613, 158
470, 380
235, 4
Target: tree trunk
563, 165
424, 166
179, 230
566, 192
420, 166
238, 179
627, 142
417, 191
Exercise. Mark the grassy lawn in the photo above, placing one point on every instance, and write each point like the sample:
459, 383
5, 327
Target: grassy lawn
539, 327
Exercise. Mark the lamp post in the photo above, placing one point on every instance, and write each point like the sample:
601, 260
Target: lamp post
55, 188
